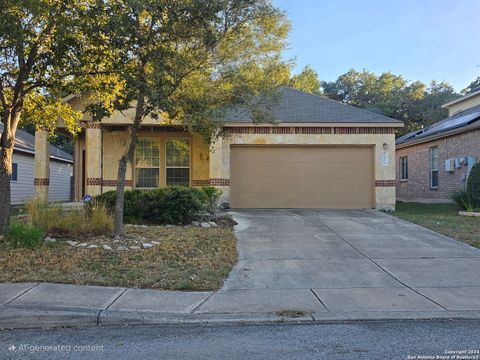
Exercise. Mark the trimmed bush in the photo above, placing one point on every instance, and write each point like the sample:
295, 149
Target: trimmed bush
133, 207
169, 205
24, 235
174, 205
473, 185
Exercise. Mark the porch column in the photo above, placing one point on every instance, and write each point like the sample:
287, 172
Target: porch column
42, 165
93, 154
216, 159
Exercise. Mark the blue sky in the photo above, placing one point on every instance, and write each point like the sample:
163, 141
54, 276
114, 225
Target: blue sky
420, 39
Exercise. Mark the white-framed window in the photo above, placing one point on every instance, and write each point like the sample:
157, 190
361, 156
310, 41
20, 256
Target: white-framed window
147, 163
434, 167
403, 168
177, 162
14, 172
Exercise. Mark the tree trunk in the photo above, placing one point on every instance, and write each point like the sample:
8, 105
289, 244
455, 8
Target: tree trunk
6, 151
122, 167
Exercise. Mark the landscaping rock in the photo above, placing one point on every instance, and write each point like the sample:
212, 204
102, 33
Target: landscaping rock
50, 240
195, 223
93, 246
106, 247
147, 245
155, 242
205, 225
122, 248
134, 247
212, 224
71, 243
82, 245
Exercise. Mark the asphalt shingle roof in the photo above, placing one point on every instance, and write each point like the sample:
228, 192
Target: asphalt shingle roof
26, 142
465, 119
295, 106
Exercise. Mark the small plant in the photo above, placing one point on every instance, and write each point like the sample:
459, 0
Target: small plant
213, 196
23, 235
465, 201
473, 185
99, 219
94, 219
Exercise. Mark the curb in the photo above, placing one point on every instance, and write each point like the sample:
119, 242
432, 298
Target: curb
40, 318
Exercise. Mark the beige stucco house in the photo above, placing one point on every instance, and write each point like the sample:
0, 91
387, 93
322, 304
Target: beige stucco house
318, 154
435, 161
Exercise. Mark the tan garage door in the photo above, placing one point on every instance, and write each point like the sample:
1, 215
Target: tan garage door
301, 177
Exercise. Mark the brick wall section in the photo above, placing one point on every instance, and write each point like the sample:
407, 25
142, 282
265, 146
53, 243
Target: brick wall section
417, 188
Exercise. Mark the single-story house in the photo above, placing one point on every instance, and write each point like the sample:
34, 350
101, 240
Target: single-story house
318, 154
23, 180
434, 162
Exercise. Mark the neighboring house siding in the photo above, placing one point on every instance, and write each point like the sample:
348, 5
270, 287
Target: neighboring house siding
23, 188
60, 182
463, 105
417, 187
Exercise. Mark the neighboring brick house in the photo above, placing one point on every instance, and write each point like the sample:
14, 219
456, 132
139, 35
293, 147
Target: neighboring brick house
434, 162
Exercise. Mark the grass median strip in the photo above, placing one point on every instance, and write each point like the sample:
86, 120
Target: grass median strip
442, 218
183, 258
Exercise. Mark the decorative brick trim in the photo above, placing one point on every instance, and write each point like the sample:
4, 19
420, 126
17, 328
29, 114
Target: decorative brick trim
363, 130
94, 181
312, 130
163, 128
41, 182
93, 125
219, 182
384, 183
307, 130
200, 182
114, 182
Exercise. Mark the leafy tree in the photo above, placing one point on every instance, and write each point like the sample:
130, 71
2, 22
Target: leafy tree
41, 48
306, 81
412, 102
186, 61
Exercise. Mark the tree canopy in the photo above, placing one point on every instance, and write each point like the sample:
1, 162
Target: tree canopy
185, 62
307, 80
415, 103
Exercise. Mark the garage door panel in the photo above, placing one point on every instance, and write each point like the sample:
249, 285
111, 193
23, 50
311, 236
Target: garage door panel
301, 177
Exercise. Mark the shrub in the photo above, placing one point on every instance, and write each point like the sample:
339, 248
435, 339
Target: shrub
213, 195
170, 205
174, 205
473, 185
464, 200
133, 206
24, 235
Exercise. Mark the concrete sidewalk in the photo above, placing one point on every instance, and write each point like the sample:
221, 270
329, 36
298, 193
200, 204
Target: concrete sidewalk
56, 305
294, 265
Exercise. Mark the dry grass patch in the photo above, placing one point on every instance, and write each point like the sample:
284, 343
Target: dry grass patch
187, 258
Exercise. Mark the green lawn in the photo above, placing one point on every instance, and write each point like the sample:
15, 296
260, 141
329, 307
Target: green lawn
442, 218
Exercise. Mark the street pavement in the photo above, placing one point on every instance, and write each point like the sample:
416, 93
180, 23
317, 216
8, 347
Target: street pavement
359, 340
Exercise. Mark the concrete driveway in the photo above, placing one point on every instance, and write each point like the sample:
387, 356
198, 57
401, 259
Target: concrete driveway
344, 261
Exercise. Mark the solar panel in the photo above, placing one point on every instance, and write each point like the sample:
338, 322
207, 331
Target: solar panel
451, 124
